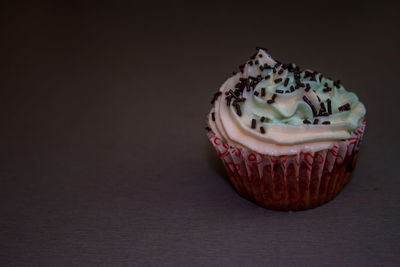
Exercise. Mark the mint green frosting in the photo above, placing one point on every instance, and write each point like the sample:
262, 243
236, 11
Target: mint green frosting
268, 107
290, 108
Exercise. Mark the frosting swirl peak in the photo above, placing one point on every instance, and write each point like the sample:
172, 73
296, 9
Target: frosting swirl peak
270, 105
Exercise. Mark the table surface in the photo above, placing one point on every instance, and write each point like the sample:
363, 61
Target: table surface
104, 159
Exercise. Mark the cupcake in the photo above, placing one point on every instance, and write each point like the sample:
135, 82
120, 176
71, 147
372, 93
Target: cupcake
288, 138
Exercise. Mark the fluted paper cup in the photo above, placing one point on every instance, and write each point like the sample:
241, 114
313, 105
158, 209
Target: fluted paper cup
289, 182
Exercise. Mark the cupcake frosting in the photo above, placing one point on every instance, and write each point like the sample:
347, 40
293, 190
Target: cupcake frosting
274, 108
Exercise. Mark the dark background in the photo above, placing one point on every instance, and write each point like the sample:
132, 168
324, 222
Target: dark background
103, 154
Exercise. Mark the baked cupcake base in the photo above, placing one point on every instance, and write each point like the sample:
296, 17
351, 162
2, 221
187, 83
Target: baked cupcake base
289, 182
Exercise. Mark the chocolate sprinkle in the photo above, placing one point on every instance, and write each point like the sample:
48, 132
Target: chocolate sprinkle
291, 88
286, 82
279, 91
278, 80
326, 122
311, 105
255, 93
216, 95
232, 93
208, 128
323, 109
328, 101
256, 62
337, 83
308, 87
273, 97
306, 121
213, 116
270, 101
267, 77
344, 107
253, 123
262, 130
262, 119
251, 63
327, 89
238, 111
263, 91
316, 121
280, 71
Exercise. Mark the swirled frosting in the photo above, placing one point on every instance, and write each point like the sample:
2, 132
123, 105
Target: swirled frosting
274, 108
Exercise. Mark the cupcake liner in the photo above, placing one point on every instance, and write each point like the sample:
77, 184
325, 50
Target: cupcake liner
289, 182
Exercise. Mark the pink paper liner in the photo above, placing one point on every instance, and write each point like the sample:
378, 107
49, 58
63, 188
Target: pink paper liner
289, 182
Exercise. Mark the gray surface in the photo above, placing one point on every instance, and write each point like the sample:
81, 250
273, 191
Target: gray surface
103, 157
